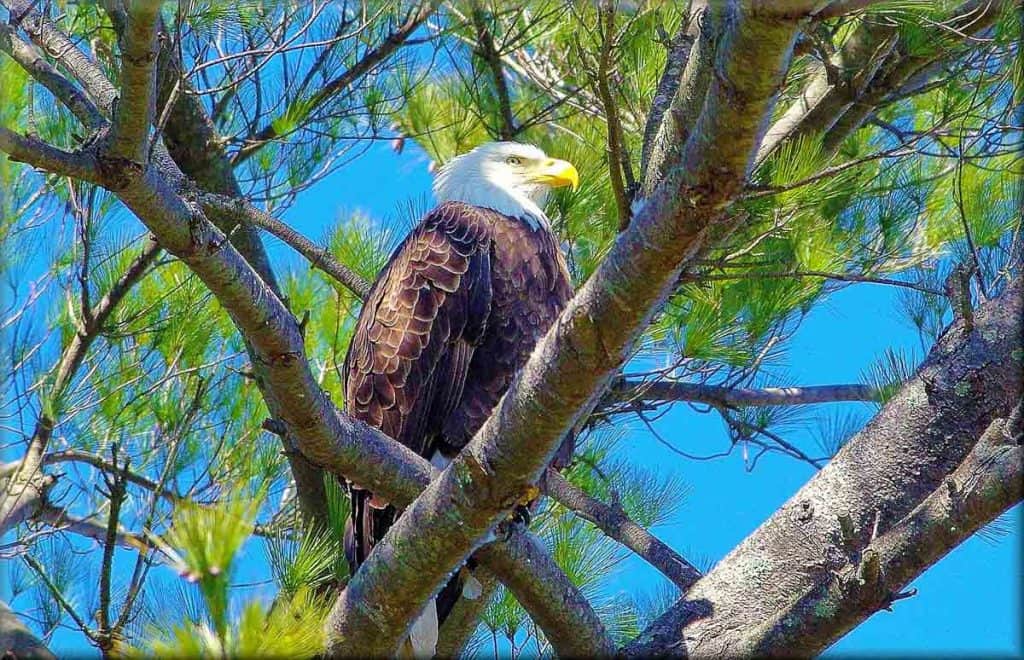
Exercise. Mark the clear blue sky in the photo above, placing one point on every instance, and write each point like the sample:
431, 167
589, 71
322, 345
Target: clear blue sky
967, 604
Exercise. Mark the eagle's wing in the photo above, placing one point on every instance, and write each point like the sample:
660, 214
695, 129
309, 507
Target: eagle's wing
408, 359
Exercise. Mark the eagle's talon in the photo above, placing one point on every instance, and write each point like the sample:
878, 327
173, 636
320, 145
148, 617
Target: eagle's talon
531, 493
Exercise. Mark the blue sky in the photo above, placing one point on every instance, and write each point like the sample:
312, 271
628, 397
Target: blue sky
968, 603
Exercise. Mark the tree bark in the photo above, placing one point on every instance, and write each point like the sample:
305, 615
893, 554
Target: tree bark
17, 641
903, 456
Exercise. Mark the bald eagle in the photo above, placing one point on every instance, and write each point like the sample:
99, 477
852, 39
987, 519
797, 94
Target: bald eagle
451, 319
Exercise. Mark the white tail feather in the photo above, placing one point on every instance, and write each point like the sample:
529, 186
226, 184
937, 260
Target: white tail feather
423, 633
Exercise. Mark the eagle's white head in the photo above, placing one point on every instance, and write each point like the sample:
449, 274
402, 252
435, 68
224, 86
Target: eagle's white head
509, 177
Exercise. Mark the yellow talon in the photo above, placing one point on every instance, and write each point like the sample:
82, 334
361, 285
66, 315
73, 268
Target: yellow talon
532, 492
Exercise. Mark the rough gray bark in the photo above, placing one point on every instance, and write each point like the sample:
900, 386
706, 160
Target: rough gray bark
784, 572
17, 641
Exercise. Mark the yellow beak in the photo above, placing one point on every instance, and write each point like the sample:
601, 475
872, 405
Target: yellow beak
557, 173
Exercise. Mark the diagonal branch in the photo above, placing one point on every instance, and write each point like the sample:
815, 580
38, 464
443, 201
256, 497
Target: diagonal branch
63, 89
17, 640
574, 361
902, 458
319, 257
136, 103
100, 463
614, 522
664, 96
989, 481
556, 605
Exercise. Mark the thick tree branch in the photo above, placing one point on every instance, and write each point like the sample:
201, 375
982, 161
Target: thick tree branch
903, 456
737, 397
17, 641
834, 86
136, 103
57, 45
318, 257
683, 99
567, 619
664, 97
373, 58
63, 89
614, 522
38, 154
574, 361
988, 482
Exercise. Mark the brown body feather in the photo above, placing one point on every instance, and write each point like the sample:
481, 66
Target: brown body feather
448, 323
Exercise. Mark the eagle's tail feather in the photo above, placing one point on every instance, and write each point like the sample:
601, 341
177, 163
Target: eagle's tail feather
422, 640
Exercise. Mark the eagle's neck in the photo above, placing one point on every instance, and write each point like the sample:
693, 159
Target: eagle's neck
527, 205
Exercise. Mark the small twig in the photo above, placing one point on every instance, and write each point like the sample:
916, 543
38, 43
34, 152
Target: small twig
38, 569
117, 490
614, 522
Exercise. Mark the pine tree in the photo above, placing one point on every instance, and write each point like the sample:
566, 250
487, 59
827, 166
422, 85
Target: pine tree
173, 395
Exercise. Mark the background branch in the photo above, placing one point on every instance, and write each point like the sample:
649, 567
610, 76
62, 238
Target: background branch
614, 522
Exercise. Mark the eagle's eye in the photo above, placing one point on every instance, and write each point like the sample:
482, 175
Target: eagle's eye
513, 160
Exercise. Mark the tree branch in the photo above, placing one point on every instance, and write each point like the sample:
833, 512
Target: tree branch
36, 153
617, 154
57, 45
556, 605
989, 481
136, 103
318, 257
60, 520
17, 641
902, 457
63, 89
464, 617
738, 397
507, 126
685, 96
574, 361
876, 65
98, 462
614, 522
664, 97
